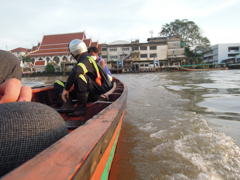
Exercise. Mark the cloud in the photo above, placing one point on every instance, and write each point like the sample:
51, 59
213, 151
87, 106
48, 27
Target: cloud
217, 36
24, 22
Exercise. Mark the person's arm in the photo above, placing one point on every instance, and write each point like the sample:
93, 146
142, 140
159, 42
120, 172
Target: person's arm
102, 63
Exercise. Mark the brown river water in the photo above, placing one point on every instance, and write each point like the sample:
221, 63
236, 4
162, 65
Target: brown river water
177, 125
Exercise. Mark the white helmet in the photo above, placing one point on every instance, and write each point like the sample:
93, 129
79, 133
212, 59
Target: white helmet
76, 47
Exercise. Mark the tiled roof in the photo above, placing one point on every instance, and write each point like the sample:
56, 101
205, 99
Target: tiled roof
62, 38
20, 49
99, 47
30, 64
53, 45
28, 51
50, 52
94, 44
39, 63
34, 48
88, 42
54, 63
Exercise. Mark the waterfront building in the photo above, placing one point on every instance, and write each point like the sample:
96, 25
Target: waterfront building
40, 65
55, 47
222, 53
19, 52
27, 67
157, 52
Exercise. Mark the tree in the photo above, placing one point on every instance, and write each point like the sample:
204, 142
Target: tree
26, 59
50, 67
195, 55
189, 32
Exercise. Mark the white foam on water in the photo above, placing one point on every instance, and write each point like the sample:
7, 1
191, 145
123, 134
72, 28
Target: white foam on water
158, 134
212, 154
177, 88
148, 127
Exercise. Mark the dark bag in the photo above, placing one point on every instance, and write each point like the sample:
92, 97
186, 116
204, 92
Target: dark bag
106, 82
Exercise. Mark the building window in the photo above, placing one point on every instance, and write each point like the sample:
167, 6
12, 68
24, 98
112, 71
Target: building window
125, 49
153, 55
104, 49
153, 47
146, 65
135, 48
175, 52
233, 49
210, 52
113, 57
232, 55
143, 55
175, 44
143, 48
104, 56
111, 50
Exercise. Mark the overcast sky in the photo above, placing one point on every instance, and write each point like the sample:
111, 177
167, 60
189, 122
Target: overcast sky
23, 23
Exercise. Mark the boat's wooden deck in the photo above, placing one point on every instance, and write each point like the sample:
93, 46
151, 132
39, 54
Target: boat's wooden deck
48, 96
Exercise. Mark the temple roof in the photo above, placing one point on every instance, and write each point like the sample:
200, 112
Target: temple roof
62, 38
39, 63
57, 44
94, 44
88, 42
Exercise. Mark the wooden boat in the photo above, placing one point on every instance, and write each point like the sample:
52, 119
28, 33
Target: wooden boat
212, 69
87, 152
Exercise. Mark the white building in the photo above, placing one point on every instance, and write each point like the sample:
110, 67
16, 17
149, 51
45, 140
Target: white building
219, 53
166, 51
19, 52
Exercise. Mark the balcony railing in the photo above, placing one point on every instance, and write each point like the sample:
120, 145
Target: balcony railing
234, 51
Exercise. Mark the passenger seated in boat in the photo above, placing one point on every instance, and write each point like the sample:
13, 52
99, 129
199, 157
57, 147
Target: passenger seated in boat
93, 51
85, 77
10, 84
26, 128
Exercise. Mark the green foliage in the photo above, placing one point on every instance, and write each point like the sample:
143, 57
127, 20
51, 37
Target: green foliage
50, 67
195, 56
56, 59
26, 59
189, 32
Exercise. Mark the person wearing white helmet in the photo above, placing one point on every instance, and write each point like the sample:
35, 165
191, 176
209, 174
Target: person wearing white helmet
85, 77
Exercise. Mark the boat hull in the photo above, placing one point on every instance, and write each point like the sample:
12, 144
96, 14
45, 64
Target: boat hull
87, 152
186, 69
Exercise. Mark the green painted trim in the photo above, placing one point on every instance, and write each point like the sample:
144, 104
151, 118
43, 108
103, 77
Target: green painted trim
110, 158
